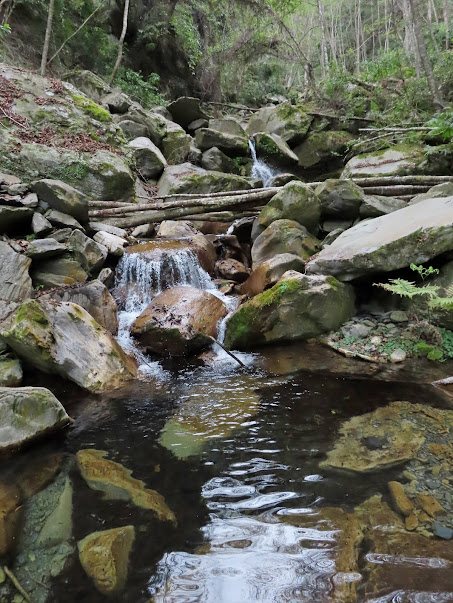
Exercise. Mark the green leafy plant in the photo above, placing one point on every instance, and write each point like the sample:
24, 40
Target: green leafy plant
4, 30
141, 90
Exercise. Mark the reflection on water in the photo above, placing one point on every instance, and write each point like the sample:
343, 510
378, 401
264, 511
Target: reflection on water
236, 456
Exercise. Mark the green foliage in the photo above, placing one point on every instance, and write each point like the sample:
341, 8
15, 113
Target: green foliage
143, 91
5, 29
387, 64
185, 27
443, 124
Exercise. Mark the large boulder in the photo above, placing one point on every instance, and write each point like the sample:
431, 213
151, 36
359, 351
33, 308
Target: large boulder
374, 206
148, 158
270, 272
57, 272
175, 144
63, 339
90, 254
179, 321
290, 122
188, 178
231, 144
321, 147
273, 147
108, 177
105, 558
340, 199
26, 413
89, 83
414, 234
95, 298
214, 160
295, 201
297, 307
15, 281
400, 160
174, 229
440, 190
284, 236
62, 197
185, 110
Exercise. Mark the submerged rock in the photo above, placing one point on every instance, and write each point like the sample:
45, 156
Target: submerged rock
10, 499
116, 483
105, 558
414, 234
63, 339
179, 321
297, 307
27, 413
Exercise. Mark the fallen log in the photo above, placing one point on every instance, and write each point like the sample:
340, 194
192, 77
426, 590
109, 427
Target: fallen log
211, 195
393, 191
221, 216
399, 129
393, 180
219, 203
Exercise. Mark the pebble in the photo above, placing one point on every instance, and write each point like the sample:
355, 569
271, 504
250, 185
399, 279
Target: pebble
376, 340
398, 355
442, 531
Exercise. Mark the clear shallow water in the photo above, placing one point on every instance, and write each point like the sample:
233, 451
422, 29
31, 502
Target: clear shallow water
233, 452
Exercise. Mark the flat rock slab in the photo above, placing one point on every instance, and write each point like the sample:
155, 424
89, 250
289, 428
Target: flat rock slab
414, 234
27, 413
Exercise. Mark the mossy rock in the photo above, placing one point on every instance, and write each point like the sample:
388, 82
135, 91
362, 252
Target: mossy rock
321, 147
290, 122
284, 236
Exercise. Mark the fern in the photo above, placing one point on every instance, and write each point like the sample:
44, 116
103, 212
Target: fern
404, 288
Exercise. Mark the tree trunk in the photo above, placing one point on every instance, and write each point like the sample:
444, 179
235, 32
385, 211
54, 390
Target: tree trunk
45, 50
423, 53
324, 54
446, 15
120, 42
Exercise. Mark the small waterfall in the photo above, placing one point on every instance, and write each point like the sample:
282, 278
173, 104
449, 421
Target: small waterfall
260, 169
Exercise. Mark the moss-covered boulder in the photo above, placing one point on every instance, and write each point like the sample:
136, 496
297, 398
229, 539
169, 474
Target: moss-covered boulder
188, 178
89, 83
400, 160
295, 201
284, 236
63, 339
270, 272
414, 234
105, 558
290, 122
297, 307
10, 372
322, 147
231, 144
27, 413
340, 199
213, 159
179, 321
273, 147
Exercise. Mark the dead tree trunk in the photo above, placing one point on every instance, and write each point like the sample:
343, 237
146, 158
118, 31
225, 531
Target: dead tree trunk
120, 42
45, 50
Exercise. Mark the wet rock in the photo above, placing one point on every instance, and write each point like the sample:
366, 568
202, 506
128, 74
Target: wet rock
90, 254
389, 242
297, 307
400, 501
442, 531
10, 372
340, 198
40, 225
14, 218
115, 245
28, 413
430, 504
116, 483
63, 339
295, 201
15, 281
391, 422
58, 525
105, 558
148, 158
95, 298
174, 229
179, 321
188, 178
270, 272
44, 248
233, 270
62, 197
411, 522
58, 272
272, 146
281, 237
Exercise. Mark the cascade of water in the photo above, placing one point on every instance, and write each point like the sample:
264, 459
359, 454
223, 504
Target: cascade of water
260, 169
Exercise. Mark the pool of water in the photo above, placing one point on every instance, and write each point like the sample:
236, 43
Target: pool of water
235, 453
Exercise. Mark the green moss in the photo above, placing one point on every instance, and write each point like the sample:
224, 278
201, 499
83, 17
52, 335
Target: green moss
33, 312
268, 146
90, 107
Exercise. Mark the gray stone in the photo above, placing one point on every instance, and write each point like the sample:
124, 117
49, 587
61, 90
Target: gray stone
290, 122
62, 235
441, 531
332, 236
107, 277
399, 316
270, 272
44, 248
283, 236
40, 225
374, 206
414, 234
15, 281
115, 245
63, 220
108, 177
131, 129
175, 144
440, 190
340, 199
356, 330
27, 413
62, 197
400, 160
398, 355
30, 200
101, 227
149, 160
194, 156
321, 147
185, 110
272, 146
188, 178
58, 272
213, 159
206, 138
197, 124
228, 125
117, 102
144, 231
90, 254
89, 83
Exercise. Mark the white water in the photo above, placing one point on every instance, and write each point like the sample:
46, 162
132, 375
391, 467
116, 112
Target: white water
139, 278
260, 169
